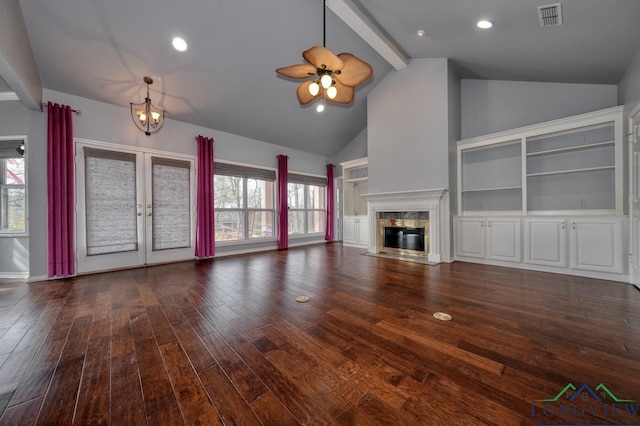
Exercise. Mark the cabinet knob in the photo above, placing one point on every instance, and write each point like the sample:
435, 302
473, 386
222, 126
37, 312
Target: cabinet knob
562, 225
573, 225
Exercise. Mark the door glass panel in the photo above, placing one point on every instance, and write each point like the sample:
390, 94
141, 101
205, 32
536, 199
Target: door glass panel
171, 204
110, 202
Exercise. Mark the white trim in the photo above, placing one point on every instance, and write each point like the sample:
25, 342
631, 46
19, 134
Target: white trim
355, 163
39, 278
306, 174
131, 149
562, 271
263, 249
14, 275
242, 251
24, 139
231, 243
8, 96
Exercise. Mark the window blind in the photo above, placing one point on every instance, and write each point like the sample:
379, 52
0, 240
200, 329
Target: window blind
227, 169
307, 180
110, 201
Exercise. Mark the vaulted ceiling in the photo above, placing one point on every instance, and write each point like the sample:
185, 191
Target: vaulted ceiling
226, 79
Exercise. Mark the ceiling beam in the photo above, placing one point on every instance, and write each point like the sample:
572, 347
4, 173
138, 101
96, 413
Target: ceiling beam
369, 31
17, 63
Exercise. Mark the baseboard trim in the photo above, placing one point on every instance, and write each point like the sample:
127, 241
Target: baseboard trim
14, 275
37, 278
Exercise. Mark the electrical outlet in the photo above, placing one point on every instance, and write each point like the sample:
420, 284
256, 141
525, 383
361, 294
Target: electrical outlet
582, 202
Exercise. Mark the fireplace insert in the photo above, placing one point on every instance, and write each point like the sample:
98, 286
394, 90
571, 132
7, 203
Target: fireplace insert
404, 236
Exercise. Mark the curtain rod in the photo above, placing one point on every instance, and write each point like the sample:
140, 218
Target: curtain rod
77, 111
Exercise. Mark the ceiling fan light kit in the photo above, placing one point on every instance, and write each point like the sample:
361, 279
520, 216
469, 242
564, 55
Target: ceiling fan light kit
334, 77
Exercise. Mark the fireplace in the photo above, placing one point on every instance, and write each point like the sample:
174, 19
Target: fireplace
403, 236
428, 205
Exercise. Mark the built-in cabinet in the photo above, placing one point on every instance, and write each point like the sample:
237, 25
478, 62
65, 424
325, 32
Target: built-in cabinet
545, 242
355, 178
491, 238
546, 197
574, 245
356, 231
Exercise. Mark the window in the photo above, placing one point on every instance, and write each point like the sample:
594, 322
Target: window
13, 197
306, 201
243, 200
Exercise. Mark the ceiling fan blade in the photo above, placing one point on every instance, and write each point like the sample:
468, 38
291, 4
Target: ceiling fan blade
355, 70
345, 94
319, 56
297, 71
303, 93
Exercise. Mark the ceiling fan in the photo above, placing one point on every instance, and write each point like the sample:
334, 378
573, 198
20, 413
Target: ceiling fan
334, 77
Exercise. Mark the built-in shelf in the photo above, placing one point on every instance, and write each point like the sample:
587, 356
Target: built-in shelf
571, 148
562, 172
492, 189
571, 164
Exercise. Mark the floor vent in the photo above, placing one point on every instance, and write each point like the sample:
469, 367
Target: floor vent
550, 15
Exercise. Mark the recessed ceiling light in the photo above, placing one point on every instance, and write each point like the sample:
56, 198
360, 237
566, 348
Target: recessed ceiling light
420, 33
320, 107
179, 44
484, 24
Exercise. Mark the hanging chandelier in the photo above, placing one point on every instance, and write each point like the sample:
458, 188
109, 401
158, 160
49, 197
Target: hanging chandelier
146, 116
333, 77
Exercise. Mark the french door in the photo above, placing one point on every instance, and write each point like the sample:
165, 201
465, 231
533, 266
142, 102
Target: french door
133, 208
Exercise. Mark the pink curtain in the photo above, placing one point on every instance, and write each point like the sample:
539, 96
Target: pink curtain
283, 209
205, 218
328, 235
60, 192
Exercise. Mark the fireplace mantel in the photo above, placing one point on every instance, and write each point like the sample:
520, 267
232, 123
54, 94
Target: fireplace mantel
435, 201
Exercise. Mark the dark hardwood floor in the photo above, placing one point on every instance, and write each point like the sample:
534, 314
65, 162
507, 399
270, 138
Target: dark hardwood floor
224, 342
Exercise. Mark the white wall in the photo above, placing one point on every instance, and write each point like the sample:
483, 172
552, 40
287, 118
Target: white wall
629, 96
455, 125
490, 106
357, 148
15, 250
109, 123
408, 128
629, 86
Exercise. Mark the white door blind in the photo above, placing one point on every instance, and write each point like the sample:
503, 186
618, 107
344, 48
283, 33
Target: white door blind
171, 204
110, 201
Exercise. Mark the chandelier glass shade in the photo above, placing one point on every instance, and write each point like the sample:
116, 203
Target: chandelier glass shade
146, 116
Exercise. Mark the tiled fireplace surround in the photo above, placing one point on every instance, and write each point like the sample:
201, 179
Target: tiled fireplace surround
434, 201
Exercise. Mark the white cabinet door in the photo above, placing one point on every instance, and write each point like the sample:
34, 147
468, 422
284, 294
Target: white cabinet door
596, 244
356, 231
350, 231
470, 237
545, 242
503, 239
362, 231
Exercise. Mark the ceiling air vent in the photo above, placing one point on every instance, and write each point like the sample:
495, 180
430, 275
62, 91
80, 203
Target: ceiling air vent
550, 15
